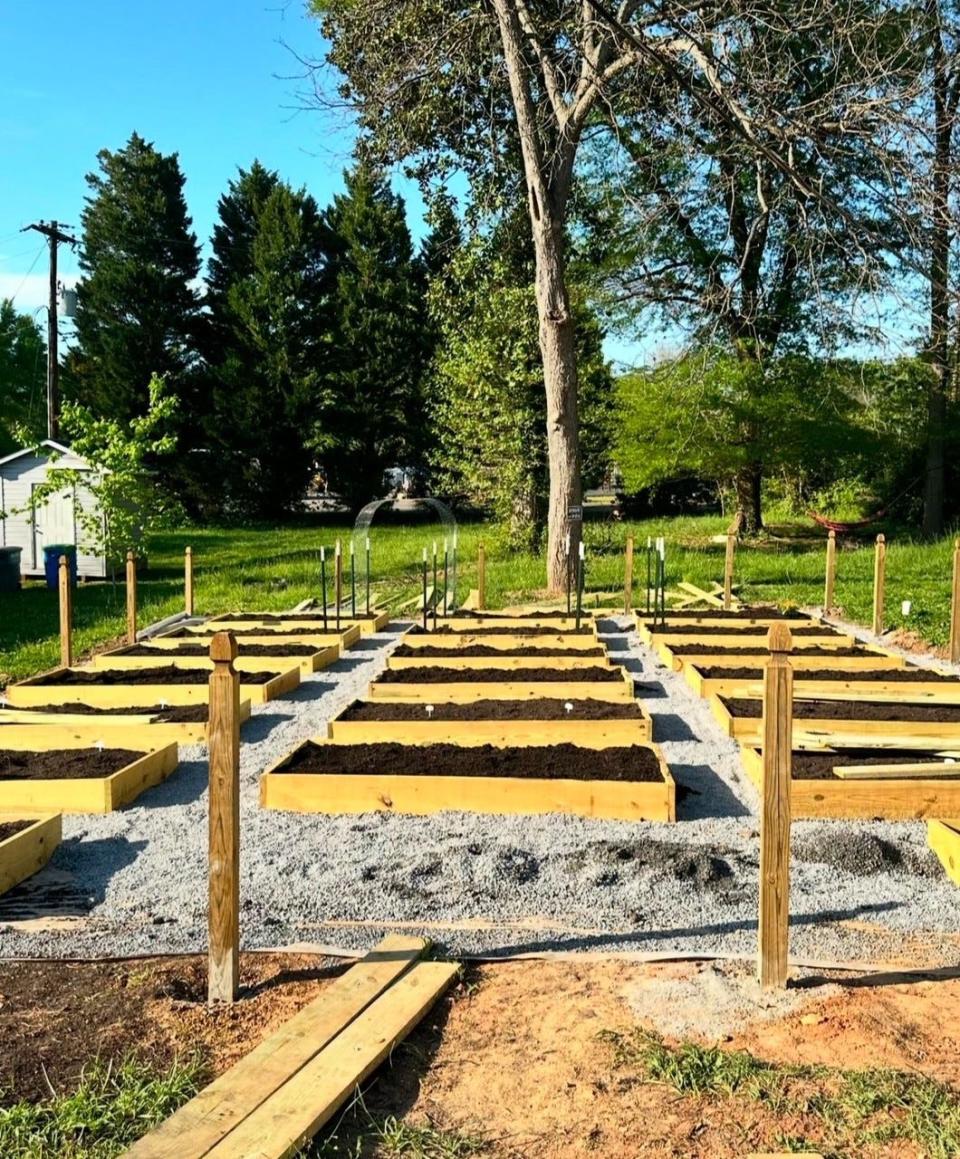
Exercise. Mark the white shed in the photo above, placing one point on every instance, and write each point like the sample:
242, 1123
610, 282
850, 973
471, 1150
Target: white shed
55, 520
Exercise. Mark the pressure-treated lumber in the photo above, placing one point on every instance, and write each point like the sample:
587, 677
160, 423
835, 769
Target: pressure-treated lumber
628, 576
481, 577
66, 613
507, 663
830, 578
222, 1105
943, 837
223, 959
349, 633
882, 772
879, 583
506, 643
882, 691
131, 598
27, 694
728, 558
955, 606
90, 794
28, 851
746, 639
615, 690
869, 658
29, 730
188, 581
435, 793
586, 733
773, 934
557, 624
314, 662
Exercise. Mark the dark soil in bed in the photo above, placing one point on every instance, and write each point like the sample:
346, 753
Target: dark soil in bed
64, 764
204, 650
809, 766
178, 714
719, 614
499, 675
489, 650
733, 629
758, 650
850, 710
282, 633
346, 616
169, 674
901, 675
551, 762
488, 630
12, 828
538, 708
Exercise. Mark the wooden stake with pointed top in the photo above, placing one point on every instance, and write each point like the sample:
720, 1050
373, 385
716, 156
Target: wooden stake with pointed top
481, 577
831, 576
66, 613
223, 979
188, 581
728, 572
628, 577
131, 598
775, 810
879, 583
955, 607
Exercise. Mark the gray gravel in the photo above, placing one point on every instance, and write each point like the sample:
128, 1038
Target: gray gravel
135, 881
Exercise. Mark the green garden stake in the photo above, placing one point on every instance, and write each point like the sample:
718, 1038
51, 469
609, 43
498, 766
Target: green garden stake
353, 582
580, 561
424, 589
323, 583
368, 575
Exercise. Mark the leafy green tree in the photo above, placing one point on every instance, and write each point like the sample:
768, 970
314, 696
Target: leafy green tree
373, 415
268, 300
23, 361
137, 308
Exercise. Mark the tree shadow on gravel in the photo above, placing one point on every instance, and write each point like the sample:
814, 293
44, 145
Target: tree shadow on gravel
702, 795
671, 726
260, 727
310, 690
615, 644
186, 784
651, 691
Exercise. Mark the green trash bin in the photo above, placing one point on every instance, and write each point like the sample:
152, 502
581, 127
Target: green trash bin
10, 569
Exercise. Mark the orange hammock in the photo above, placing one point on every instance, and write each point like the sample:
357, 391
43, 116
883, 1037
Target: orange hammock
842, 528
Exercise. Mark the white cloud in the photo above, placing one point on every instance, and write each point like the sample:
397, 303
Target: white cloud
31, 291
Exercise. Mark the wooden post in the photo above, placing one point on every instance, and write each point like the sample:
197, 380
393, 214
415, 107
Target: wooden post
879, 581
628, 576
223, 976
831, 576
338, 576
481, 577
775, 810
66, 614
188, 581
728, 572
131, 598
955, 607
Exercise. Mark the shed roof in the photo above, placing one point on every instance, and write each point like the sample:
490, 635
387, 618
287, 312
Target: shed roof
49, 443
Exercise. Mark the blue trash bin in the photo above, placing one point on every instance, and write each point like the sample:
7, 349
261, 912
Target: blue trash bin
51, 563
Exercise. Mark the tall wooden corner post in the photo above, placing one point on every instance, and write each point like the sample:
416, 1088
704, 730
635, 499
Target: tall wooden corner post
628, 577
831, 576
775, 810
728, 571
481, 577
188, 581
131, 598
66, 614
224, 838
879, 583
955, 606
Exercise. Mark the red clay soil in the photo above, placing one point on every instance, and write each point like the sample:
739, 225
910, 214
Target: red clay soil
204, 650
12, 828
548, 762
178, 714
900, 675
536, 708
489, 650
169, 674
810, 766
488, 630
849, 710
758, 650
500, 675
64, 764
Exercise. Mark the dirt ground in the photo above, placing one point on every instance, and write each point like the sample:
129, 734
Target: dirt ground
517, 1055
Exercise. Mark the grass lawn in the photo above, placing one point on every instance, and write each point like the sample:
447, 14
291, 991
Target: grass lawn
272, 569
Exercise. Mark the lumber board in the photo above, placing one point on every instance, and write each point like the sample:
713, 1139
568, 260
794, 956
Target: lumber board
746, 639
29, 695
502, 690
882, 772
882, 691
497, 620
586, 733
506, 662
25, 729
943, 837
92, 794
314, 662
505, 642
28, 851
293, 1115
866, 660
228, 1100
348, 635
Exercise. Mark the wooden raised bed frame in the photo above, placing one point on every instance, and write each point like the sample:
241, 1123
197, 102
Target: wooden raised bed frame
91, 794
812, 733
38, 731
454, 640
690, 621
314, 662
508, 662
943, 837
748, 640
886, 691
28, 851
913, 798
613, 690
477, 625
333, 793
349, 633
29, 695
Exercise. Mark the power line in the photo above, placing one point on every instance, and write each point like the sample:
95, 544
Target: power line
13, 296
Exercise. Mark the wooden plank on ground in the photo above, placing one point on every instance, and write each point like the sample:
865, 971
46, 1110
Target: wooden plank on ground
285, 1122
881, 772
236, 1094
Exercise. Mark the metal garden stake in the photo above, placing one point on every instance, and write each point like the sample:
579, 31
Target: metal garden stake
368, 575
580, 561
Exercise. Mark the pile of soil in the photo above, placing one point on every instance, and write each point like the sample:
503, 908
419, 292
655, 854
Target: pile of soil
550, 762
850, 710
178, 714
12, 828
204, 650
169, 674
489, 650
819, 766
733, 629
538, 708
901, 675
486, 630
758, 650
64, 764
498, 675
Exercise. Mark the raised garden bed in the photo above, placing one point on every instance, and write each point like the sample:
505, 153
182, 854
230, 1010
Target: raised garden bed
843, 659
510, 640
847, 722
627, 783
817, 791
79, 780
367, 621
26, 845
880, 684
450, 684
823, 641
943, 837
484, 621
349, 633
110, 688
271, 633
252, 658
480, 656
595, 723
717, 620
81, 725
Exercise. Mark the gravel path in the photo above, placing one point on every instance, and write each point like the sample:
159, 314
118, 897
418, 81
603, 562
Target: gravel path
135, 881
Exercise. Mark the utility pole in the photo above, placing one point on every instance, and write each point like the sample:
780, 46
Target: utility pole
52, 232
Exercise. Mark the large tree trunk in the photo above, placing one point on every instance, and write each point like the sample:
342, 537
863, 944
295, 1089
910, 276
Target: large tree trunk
749, 508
